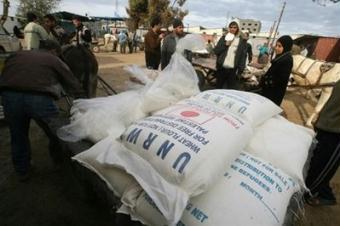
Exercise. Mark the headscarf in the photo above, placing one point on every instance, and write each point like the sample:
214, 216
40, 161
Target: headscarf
287, 43
234, 22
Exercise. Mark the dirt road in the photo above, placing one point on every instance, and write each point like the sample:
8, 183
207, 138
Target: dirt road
55, 197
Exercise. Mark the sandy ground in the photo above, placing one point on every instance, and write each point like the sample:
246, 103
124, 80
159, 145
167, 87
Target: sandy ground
54, 196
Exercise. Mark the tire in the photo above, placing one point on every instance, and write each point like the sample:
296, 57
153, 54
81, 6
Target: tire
96, 49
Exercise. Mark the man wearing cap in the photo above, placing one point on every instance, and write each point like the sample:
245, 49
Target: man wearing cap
29, 83
33, 32
83, 34
170, 42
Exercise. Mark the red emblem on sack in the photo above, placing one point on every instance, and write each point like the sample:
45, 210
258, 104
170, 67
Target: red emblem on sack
189, 114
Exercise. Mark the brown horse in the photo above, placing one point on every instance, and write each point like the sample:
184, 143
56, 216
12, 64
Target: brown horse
84, 66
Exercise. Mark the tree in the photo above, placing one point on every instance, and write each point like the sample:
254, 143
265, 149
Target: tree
138, 12
165, 11
142, 11
39, 7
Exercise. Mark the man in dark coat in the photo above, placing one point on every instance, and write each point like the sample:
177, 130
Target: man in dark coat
326, 156
170, 42
274, 82
152, 43
29, 83
231, 51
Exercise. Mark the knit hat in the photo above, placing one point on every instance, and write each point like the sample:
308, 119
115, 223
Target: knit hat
31, 16
287, 43
176, 23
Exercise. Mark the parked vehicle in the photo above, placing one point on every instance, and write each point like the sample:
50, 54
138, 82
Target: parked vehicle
8, 43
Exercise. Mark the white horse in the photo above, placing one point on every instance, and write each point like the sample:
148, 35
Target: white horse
313, 73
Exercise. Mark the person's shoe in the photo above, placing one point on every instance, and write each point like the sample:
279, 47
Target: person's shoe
318, 201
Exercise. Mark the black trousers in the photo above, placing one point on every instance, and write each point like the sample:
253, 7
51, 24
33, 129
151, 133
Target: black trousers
227, 78
324, 164
152, 60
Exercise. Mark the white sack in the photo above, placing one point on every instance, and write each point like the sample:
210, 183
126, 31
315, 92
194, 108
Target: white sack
191, 42
187, 145
251, 192
96, 118
283, 144
117, 180
250, 106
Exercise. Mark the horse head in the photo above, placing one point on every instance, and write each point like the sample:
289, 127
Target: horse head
84, 66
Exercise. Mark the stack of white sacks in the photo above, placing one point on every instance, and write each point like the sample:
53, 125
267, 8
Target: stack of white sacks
212, 158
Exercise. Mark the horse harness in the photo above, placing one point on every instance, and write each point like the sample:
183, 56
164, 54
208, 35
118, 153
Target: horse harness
324, 67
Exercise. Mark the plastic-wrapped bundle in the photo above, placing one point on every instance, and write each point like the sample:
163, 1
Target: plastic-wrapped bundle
95, 119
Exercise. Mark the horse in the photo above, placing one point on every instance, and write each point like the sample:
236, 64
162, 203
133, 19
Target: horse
313, 73
84, 65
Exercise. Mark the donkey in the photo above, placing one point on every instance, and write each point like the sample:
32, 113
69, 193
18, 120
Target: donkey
313, 73
84, 66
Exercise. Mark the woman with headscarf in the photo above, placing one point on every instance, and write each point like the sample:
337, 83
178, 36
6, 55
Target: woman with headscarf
274, 82
231, 52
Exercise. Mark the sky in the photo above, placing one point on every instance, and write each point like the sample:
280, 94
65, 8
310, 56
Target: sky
299, 16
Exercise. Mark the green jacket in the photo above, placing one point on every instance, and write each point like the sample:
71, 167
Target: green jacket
329, 117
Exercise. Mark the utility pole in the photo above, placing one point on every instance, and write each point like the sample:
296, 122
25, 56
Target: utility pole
277, 27
116, 8
271, 33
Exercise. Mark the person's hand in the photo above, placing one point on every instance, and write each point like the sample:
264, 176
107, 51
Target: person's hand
161, 36
229, 38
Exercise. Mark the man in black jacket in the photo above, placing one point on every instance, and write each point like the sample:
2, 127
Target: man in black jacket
29, 83
170, 42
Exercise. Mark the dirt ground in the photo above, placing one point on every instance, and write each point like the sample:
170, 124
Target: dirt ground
54, 196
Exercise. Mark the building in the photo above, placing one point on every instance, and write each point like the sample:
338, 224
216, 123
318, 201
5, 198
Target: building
253, 26
320, 47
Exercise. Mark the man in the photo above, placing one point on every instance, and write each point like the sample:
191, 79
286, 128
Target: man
231, 51
122, 39
170, 42
29, 83
33, 32
83, 34
249, 47
152, 43
326, 155
55, 32
263, 57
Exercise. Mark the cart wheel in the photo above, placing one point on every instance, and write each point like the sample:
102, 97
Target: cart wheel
96, 49
201, 79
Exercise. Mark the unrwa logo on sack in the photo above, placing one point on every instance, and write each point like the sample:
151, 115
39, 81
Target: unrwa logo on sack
162, 151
